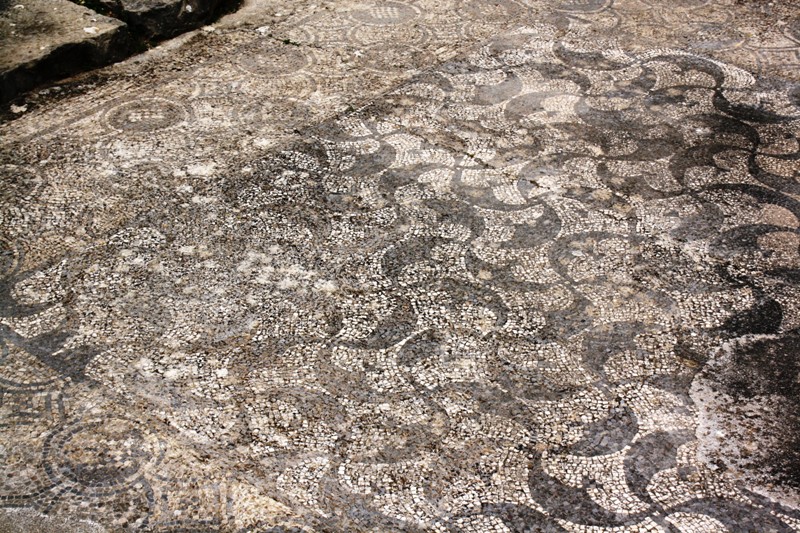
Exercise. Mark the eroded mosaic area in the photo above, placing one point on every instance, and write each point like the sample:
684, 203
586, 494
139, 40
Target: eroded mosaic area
548, 285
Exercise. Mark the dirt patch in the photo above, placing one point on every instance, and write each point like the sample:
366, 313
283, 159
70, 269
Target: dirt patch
749, 402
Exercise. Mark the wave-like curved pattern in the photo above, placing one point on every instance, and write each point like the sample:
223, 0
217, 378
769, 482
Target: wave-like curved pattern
478, 304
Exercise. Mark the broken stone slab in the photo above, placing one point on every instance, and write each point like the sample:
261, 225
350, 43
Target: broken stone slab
41, 40
159, 19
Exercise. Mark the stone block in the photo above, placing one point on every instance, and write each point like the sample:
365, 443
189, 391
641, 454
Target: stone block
41, 40
159, 19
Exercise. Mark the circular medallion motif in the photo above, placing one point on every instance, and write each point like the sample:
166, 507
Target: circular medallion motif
387, 58
386, 14
680, 4
582, 6
101, 454
146, 115
289, 60
713, 36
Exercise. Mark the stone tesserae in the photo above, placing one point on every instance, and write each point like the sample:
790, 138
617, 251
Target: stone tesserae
450, 266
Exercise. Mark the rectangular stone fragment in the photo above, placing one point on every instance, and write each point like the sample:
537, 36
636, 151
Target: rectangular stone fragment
46, 39
158, 19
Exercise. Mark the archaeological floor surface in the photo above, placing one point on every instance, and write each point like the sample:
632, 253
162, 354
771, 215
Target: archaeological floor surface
419, 265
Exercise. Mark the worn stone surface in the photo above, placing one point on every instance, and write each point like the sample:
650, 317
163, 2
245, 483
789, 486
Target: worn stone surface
157, 19
413, 266
27, 520
42, 40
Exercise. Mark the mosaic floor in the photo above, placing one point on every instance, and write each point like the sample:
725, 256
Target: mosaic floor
453, 266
